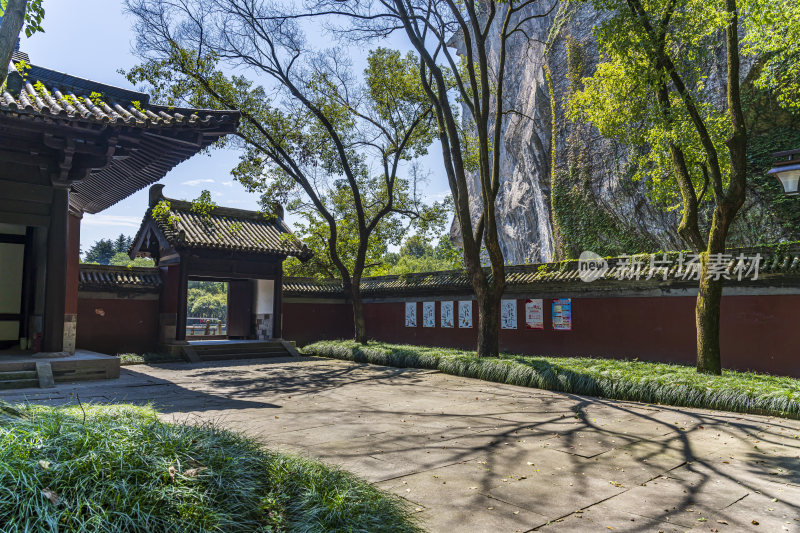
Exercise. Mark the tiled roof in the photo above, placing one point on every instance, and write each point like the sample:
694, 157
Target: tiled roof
149, 139
65, 97
224, 228
315, 287
777, 266
106, 277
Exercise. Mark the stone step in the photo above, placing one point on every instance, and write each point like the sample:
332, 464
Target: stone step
18, 383
18, 366
234, 357
234, 345
17, 374
216, 351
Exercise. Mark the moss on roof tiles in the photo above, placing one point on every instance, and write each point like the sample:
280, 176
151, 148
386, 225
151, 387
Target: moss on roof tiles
42, 92
223, 228
109, 277
780, 264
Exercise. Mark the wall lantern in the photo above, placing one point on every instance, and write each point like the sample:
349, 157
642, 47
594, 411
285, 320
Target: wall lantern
786, 167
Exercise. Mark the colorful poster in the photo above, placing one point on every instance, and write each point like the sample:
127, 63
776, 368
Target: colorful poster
428, 314
508, 314
465, 314
447, 314
562, 314
411, 314
534, 314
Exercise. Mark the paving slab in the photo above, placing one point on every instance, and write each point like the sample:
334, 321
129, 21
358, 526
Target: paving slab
472, 456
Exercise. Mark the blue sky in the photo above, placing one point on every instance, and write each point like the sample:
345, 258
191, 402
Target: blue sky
93, 39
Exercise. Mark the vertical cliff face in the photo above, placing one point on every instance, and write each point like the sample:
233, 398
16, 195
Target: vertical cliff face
564, 187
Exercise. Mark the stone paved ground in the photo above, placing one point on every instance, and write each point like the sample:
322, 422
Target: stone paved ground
476, 456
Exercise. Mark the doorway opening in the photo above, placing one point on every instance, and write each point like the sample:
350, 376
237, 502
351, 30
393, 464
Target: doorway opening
207, 310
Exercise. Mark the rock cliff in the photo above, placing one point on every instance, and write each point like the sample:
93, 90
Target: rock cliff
564, 186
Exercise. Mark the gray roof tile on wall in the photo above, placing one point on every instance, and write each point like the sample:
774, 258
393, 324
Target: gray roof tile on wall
224, 228
109, 277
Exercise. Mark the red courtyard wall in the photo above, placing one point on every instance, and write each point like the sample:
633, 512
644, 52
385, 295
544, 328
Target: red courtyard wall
120, 325
305, 323
759, 332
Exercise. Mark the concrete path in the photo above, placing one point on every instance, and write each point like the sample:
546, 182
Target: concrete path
476, 456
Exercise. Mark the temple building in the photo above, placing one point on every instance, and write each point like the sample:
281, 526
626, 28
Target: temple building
244, 249
70, 146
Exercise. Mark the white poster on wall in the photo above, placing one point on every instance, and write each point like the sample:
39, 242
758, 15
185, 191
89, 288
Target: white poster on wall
534, 314
465, 314
508, 314
411, 314
447, 314
428, 314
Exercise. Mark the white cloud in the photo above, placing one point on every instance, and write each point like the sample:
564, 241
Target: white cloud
227, 183
112, 220
197, 182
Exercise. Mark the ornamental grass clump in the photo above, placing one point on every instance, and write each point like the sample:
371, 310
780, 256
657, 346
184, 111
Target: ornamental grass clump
656, 383
120, 468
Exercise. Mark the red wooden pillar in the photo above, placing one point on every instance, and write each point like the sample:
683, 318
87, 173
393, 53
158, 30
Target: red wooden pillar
182, 290
56, 267
168, 303
71, 286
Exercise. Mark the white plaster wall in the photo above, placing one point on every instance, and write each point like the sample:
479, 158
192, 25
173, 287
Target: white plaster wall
265, 296
11, 256
11, 261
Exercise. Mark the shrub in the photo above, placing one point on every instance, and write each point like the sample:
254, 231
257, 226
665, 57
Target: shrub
656, 383
119, 468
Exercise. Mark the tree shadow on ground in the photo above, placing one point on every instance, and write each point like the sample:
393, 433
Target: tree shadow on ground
673, 454
655, 464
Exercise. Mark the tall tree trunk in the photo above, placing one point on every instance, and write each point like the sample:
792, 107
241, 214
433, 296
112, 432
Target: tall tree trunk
11, 26
707, 318
488, 323
709, 298
359, 323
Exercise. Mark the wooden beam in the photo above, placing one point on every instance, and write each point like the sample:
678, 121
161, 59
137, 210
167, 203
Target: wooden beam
29, 192
19, 206
24, 219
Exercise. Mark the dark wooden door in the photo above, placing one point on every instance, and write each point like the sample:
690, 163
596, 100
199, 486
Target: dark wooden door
240, 308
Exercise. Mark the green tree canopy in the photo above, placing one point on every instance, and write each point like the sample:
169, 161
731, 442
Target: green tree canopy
653, 90
334, 147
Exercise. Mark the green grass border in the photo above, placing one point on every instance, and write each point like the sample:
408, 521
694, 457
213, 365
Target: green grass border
639, 381
148, 358
90, 468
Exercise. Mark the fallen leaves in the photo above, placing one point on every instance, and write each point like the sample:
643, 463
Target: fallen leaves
50, 495
194, 472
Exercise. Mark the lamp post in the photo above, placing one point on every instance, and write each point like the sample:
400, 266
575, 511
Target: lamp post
786, 167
